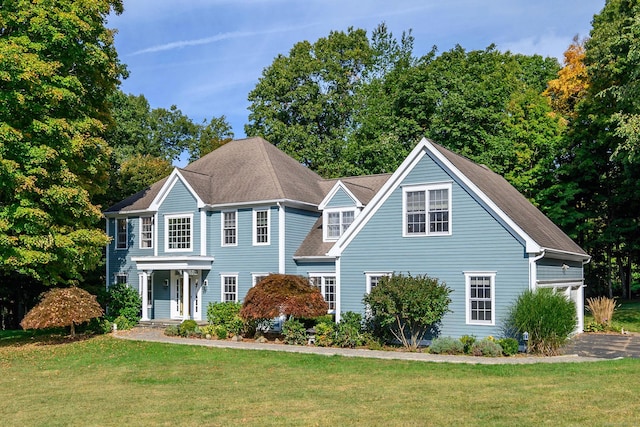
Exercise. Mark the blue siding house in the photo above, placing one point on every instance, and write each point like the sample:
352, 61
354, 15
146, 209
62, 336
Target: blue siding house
210, 231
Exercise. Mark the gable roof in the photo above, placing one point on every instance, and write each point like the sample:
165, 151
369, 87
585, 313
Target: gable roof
259, 171
507, 204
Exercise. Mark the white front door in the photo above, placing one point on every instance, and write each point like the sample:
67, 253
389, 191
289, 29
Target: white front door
177, 305
193, 310
196, 296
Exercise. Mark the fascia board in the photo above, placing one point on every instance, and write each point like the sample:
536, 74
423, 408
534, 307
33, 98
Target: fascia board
334, 190
168, 186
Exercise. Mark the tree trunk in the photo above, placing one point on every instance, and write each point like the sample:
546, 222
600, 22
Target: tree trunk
73, 330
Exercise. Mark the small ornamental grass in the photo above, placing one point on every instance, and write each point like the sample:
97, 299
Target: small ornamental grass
602, 309
548, 317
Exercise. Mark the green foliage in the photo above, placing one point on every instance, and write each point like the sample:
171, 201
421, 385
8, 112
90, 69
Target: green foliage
467, 342
408, 305
446, 345
486, 347
123, 323
221, 332
294, 332
187, 327
325, 334
510, 346
286, 294
63, 307
58, 65
172, 331
226, 314
547, 316
123, 300
349, 332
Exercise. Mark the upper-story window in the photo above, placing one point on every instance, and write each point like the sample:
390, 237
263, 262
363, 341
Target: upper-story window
427, 210
261, 226
121, 233
337, 221
229, 228
146, 232
179, 232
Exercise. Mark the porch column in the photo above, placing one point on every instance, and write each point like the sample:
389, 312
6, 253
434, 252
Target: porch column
144, 287
185, 294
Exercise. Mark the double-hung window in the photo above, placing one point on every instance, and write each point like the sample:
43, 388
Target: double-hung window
374, 278
229, 228
261, 226
427, 210
480, 293
327, 286
121, 233
179, 232
337, 222
146, 232
229, 288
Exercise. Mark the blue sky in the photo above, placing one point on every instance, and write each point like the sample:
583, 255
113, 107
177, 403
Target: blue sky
205, 56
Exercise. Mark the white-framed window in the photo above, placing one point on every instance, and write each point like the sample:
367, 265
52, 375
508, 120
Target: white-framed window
122, 234
426, 210
179, 233
257, 277
480, 298
229, 287
146, 232
327, 285
230, 228
120, 278
261, 225
373, 278
336, 222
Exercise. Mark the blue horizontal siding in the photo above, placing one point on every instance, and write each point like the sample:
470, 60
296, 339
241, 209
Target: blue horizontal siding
551, 269
341, 199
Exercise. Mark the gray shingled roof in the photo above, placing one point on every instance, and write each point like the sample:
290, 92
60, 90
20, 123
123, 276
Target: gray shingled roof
521, 211
363, 187
258, 169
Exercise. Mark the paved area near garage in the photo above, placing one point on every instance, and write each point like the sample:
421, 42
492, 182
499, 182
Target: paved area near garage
606, 346
583, 348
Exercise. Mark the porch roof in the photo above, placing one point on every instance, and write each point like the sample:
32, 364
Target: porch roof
188, 262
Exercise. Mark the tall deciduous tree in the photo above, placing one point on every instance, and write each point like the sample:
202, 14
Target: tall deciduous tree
58, 65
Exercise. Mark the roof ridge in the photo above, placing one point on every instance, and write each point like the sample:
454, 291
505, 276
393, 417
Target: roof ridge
272, 171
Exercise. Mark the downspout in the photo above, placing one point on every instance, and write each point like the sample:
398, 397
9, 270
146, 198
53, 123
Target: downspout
533, 271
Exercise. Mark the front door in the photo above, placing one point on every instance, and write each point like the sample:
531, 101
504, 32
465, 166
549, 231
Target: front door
177, 304
194, 307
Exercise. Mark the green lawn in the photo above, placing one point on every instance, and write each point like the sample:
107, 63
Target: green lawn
109, 382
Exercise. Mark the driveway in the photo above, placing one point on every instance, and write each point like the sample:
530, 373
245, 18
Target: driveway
606, 346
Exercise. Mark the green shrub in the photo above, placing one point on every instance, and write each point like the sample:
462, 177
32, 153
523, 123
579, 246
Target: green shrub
348, 332
172, 331
593, 326
408, 306
486, 347
446, 345
187, 328
294, 332
467, 342
123, 300
123, 323
509, 346
221, 332
547, 316
227, 314
325, 333
208, 330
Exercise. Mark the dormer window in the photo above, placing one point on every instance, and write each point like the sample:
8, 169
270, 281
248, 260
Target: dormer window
337, 221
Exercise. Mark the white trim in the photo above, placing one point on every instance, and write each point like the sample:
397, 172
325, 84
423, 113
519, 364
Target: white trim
107, 264
222, 220
173, 262
237, 285
282, 241
254, 223
288, 202
334, 190
323, 286
311, 258
155, 234
167, 217
427, 188
254, 277
203, 233
338, 290
325, 221
140, 231
168, 186
467, 297
370, 274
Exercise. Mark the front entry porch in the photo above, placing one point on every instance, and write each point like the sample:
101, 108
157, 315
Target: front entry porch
185, 282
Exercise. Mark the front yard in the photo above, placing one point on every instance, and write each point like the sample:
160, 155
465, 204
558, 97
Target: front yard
105, 381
